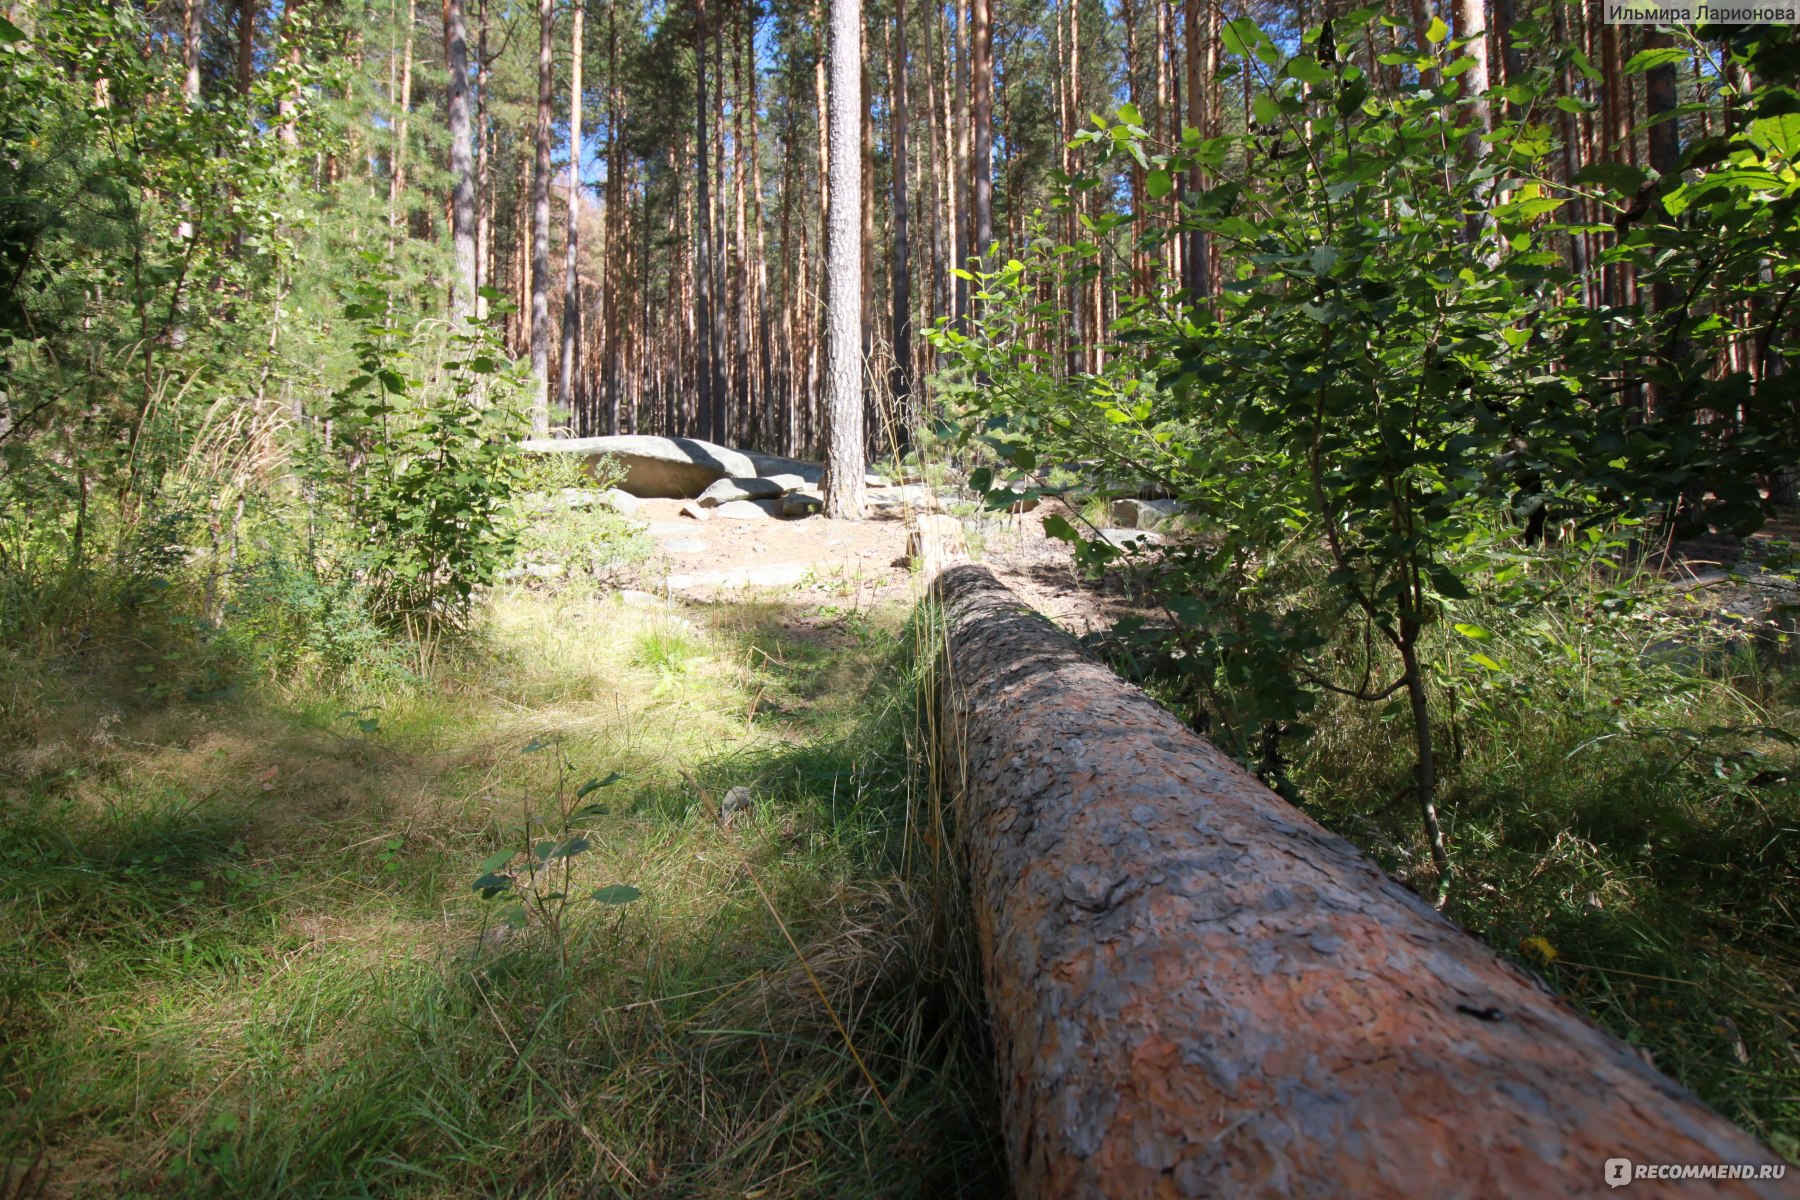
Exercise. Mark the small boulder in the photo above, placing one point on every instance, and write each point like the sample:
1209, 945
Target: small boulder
732, 803
1131, 539
692, 509
789, 482
1132, 513
621, 502
724, 491
748, 510
800, 504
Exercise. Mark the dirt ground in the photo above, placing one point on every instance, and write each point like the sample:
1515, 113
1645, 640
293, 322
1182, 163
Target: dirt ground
720, 559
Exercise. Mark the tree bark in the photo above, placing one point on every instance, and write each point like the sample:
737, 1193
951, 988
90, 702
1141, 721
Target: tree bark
540, 224
981, 105
844, 400
462, 164
246, 47
901, 381
1195, 990
397, 177
712, 387
571, 322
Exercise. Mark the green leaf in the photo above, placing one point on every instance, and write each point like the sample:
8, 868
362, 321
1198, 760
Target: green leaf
1482, 660
1306, 69
1473, 631
1780, 134
618, 893
1058, 527
1437, 31
1619, 177
10, 33
1129, 114
594, 785
1267, 111
1159, 184
496, 860
1658, 56
491, 885
569, 849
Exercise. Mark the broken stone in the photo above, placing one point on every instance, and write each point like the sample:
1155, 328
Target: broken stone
1132, 513
748, 510
692, 509
1131, 539
724, 491
800, 504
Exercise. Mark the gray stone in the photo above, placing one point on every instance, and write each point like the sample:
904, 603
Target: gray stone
800, 504
684, 546
724, 491
693, 509
773, 575
674, 468
1130, 539
1142, 514
619, 501
748, 510
638, 599
790, 482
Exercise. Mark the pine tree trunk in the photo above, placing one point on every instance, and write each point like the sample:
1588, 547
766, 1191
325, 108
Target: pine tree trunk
462, 165
981, 103
844, 399
397, 182
711, 392
900, 383
540, 225
571, 318
246, 47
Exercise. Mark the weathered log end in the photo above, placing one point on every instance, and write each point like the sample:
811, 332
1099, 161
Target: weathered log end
1196, 990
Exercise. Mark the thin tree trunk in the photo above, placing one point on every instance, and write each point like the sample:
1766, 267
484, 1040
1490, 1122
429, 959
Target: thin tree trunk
981, 101
844, 404
711, 392
462, 166
900, 383
540, 225
397, 180
246, 47
571, 324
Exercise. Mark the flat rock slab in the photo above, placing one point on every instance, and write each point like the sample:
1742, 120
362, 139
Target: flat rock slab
675, 468
1133, 513
774, 575
684, 546
748, 510
724, 491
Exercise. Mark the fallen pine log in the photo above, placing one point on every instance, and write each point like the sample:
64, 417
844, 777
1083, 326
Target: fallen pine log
1195, 990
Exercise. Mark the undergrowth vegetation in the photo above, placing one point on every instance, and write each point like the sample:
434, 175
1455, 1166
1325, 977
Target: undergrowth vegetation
242, 953
1474, 556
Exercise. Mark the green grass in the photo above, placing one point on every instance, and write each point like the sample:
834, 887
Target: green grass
240, 954
1628, 828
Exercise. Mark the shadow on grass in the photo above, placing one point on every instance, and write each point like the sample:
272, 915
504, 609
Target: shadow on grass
200, 1001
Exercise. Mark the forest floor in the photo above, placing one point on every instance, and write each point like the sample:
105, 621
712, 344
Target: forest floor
242, 954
